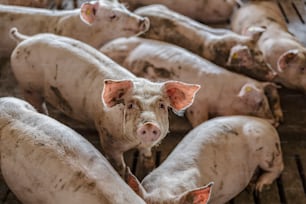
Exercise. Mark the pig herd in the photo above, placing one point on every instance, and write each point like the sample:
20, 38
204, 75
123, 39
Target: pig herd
122, 72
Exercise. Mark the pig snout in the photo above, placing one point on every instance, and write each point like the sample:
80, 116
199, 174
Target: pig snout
148, 132
144, 24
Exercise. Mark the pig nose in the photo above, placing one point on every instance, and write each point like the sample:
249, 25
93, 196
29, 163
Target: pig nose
148, 132
144, 24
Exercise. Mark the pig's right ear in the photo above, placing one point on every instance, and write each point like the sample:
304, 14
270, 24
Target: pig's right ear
89, 12
286, 58
197, 196
133, 182
114, 91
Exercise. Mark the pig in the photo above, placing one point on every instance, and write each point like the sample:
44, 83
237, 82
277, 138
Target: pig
44, 161
226, 151
225, 92
223, 47
32, 3
207, 11
94, 23
281, 49
127, 111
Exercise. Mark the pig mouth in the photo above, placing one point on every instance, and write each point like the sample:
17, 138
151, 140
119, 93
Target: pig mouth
136, 32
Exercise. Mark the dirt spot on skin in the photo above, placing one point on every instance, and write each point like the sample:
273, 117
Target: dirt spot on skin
166, 30
160, 72
229, 130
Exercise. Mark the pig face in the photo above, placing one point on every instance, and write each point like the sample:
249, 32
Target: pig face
248, 59
194, 196
107, 13
292, 65
252, 100
146, 106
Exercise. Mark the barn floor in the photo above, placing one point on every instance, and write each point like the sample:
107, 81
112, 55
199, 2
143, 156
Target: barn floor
290, 187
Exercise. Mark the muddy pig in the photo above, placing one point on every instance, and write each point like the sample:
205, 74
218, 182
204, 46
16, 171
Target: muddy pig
208, 11
223, 47
44, 161
32, 3
88, 86
281, 49
224, 93
94, 23
226, 151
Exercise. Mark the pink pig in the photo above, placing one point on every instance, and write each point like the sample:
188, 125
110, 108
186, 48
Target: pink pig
208, 11
44, 161
86, 85
94, 23
226, 151
223, 47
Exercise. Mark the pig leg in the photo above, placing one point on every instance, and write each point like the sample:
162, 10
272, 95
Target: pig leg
146, 161
36, 100
273, 166
116, 159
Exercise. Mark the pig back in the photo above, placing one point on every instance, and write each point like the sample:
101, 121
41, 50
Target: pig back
43, 161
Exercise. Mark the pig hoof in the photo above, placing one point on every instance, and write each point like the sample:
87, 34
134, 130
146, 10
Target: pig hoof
262, 186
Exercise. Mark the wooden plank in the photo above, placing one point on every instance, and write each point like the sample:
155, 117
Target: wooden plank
296, 19
3, 189
270, 195
293, 187
244, 197
11, 199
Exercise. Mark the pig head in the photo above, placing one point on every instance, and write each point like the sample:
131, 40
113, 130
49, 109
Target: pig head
145, 113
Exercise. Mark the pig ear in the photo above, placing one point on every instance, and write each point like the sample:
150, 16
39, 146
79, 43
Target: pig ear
133, 182
240, 55
285, 59
255, 32
89, 12
114, 91
250, 95
197, 196
181, 95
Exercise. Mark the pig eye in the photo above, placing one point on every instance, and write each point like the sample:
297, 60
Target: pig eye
113, 15
162, 106
130, 106
303, 69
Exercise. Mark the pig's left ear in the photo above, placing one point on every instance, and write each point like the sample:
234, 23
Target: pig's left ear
286, 58
181, 95
114, 91
250, 95
197, 196
255, 32
89, 12
240, 55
